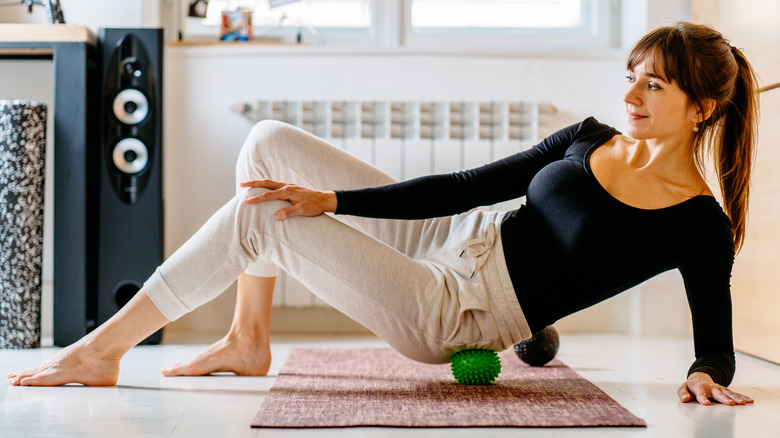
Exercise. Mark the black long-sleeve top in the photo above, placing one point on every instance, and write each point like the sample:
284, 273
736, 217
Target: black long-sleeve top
572, 244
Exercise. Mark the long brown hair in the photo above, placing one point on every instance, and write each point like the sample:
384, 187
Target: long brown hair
706, 66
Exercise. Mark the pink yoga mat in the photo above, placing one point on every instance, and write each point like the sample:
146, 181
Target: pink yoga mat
379, 387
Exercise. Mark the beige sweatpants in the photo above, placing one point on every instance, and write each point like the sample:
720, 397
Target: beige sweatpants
428, 287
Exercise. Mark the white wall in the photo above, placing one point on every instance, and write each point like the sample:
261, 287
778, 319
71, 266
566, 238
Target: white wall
202, 137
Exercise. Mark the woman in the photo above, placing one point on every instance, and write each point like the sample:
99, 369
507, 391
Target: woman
603, 212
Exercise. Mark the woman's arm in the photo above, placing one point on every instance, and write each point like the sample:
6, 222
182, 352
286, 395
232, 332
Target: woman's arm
449, 194
706, 257
430, 196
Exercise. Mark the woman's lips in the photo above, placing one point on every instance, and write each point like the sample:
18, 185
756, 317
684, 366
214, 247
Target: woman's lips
635, 116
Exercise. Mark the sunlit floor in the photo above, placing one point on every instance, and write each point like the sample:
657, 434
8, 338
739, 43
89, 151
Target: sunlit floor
640, 373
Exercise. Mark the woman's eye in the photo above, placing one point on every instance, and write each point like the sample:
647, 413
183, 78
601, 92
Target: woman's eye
653, 86
630, 78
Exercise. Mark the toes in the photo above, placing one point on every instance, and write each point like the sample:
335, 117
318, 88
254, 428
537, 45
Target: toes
181, 369
40, 378
29, 381
175, 370
16, 379
170, 371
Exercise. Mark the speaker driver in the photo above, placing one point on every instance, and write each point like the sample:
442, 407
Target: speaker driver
124, 291
131, 106
130, 155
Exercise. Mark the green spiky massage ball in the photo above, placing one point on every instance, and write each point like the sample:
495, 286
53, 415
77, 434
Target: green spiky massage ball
475, 366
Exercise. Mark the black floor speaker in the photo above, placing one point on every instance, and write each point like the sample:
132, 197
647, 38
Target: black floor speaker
129, 214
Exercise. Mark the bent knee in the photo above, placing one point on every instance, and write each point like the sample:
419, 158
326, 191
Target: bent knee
263, 141
268, 140
268, 128
269, 136
262, 138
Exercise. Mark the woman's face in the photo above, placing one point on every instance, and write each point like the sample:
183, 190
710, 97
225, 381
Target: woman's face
656, 109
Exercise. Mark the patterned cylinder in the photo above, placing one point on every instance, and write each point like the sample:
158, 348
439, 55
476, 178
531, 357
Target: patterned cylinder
22, 159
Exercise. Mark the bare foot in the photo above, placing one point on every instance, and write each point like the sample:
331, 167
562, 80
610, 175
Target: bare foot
74, 364
229, 354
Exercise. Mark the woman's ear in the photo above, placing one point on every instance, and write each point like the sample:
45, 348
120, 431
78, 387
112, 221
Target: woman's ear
705, 110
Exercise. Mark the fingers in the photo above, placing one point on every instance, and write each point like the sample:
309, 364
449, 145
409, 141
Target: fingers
744, 398
270, 195
305, 202
703, 394
278, 194
702, 398
683, 393
697, 391
263, 183
733, 397
285, 213
721, 397
277, 191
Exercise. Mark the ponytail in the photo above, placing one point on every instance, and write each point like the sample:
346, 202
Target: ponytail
734, 154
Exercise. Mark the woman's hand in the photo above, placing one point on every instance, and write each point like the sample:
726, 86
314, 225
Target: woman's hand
701, 387
305, 202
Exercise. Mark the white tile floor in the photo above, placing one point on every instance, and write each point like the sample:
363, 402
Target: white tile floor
640, 373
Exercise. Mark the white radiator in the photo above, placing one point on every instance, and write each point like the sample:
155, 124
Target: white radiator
407, 140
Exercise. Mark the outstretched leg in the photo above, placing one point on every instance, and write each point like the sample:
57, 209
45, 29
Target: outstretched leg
425, 309
246, 349
94, 359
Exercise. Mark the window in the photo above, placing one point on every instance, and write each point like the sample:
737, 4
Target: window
501, 25
446, 25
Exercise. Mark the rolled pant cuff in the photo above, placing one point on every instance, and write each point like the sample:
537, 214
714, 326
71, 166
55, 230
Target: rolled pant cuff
164, 298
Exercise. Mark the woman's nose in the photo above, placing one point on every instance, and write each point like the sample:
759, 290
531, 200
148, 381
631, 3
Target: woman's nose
631, 95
